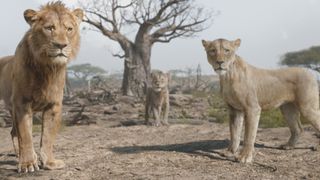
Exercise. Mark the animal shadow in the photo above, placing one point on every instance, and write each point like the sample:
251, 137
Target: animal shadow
203, 148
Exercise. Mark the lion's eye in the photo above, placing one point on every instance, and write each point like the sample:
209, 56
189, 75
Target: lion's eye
227, 50
50, 28
69, 29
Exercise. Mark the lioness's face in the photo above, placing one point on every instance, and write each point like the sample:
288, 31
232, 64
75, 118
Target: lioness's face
160, 80
55, 33
221, 53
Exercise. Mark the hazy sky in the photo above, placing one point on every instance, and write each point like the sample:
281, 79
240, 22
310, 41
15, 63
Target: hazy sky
267, 29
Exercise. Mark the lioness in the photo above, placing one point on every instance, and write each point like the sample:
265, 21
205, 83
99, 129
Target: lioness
157, 100
247, 90
33, 80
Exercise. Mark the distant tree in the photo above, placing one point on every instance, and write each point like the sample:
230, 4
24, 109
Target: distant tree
85, 71
309, 58
152, 21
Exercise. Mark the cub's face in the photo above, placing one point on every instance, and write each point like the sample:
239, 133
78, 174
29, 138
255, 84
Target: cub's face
160, 80
221, 53
54, 33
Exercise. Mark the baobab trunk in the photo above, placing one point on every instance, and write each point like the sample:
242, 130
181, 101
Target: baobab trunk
136, 71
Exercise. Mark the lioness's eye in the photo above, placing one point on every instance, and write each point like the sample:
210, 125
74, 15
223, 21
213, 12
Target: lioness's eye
226, 50
50, 28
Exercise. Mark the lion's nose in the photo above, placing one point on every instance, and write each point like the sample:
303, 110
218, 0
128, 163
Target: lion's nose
59, 45
219, 62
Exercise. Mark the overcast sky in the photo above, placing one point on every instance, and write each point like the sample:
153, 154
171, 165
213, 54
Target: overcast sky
268, 29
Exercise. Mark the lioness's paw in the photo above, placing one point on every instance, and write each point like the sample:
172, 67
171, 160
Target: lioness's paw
232, 149
54, 164
244, 157
228, 153
286, 147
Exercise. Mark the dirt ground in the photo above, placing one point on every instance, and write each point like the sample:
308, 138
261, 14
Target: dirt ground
180, 151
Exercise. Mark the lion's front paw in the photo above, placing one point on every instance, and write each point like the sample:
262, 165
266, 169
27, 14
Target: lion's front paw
28, 163
54, 164
245, 156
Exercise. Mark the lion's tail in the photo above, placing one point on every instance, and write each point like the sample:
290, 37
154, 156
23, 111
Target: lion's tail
4, 61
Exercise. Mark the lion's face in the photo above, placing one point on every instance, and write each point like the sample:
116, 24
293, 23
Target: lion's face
54, 34
221, 53
160, 80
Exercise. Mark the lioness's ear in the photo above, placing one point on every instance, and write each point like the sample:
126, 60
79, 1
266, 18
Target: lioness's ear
204, 43
237, 43
30, 16
79, 14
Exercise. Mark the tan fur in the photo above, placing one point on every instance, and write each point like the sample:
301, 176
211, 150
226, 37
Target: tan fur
157, 100
33, 80
247, 90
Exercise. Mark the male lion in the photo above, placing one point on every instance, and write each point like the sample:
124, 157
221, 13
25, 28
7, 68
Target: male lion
33, 80
247, 90
157, 100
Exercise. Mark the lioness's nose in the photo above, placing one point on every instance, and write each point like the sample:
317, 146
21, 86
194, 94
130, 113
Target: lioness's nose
59, 45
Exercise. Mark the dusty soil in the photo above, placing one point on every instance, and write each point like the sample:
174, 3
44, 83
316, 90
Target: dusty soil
180, 151
116, 145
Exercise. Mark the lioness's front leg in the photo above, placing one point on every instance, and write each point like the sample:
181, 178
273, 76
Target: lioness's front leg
50, 127
22, 116
252, 115
235, 125
292, 115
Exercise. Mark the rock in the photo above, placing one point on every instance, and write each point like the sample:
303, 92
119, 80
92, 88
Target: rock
179, 99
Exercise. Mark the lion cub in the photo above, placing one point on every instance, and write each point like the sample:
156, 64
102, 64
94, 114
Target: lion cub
157, 100
247, 90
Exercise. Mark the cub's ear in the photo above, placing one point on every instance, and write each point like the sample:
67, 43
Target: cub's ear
30, 16
237, 43
79, 14
204, 43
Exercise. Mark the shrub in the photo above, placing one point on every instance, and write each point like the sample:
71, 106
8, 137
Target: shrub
218, 109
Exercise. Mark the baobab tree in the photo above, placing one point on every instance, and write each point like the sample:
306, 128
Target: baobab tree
147, 22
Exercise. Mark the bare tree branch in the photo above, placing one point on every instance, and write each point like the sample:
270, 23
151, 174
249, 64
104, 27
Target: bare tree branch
119, 56
152, 21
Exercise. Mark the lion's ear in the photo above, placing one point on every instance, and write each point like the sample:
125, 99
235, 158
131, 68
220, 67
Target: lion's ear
237, 43
30, 16
168, 77
204, 43
79, 14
